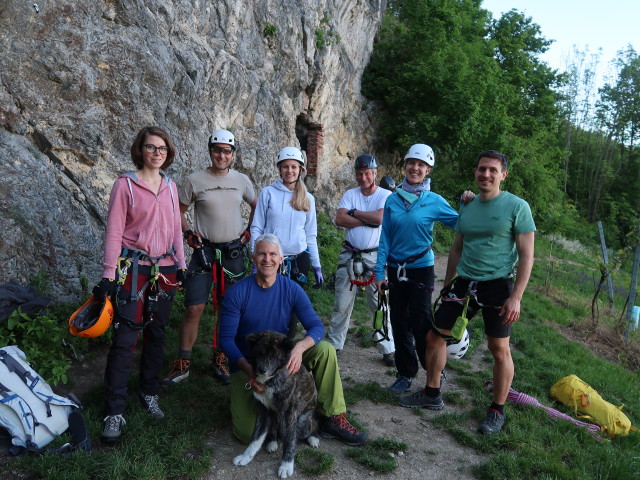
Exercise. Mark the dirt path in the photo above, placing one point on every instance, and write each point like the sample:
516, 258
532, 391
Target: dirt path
432, 453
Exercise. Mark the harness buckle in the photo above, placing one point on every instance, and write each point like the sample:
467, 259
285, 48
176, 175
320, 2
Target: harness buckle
402, 272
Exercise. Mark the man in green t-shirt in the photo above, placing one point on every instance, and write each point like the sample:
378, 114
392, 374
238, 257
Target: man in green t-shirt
495, 233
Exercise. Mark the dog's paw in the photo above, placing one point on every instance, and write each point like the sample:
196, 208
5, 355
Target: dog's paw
285, 470
313, 441
242, 460
272, 446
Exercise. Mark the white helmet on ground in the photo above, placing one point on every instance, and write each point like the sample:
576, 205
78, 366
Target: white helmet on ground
458, 349
224, 137
290, 153
423, 152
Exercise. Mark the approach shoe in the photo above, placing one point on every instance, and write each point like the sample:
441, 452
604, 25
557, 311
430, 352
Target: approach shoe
493, 422
178, 371
112, 428
150, 404
420, 399
220, 368
401, 385
388, 359
339, 427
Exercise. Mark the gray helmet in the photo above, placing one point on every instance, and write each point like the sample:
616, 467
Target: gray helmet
388, 183
366, 161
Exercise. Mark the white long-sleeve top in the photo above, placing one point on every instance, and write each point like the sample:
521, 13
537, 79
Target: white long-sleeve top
297, 230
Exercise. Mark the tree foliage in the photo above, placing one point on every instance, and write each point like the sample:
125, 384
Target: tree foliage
445, 73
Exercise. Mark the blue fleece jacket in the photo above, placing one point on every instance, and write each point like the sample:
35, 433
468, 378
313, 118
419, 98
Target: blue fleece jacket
407, 229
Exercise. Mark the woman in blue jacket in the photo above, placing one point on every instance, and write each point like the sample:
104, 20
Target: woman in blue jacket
405, 251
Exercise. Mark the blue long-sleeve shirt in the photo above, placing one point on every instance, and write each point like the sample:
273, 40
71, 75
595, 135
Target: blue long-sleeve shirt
408, 230
249, 308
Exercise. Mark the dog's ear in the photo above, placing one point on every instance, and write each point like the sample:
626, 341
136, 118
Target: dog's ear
252, 339
287, 344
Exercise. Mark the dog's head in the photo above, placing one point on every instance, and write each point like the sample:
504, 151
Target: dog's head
269, 351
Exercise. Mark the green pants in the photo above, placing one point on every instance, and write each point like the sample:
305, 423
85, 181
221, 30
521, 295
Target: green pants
321, 361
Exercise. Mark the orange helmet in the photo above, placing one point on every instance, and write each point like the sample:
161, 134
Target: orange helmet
92, 319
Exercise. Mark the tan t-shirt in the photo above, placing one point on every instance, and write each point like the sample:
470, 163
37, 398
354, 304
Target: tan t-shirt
217, 200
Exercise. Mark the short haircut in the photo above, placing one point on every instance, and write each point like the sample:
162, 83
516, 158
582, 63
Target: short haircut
269, 238
504, 160
141, 138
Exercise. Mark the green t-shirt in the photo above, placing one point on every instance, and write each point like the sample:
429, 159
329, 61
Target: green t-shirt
489, 229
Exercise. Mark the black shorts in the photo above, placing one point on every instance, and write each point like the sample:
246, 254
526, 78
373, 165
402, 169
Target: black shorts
199, 280
489, 297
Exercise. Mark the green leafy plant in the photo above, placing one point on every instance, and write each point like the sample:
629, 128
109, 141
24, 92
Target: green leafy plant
40, 338
269, 30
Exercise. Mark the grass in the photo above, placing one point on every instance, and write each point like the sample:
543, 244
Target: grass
532, 446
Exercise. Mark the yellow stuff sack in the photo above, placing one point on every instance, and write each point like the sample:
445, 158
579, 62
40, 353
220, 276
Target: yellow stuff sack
577, 394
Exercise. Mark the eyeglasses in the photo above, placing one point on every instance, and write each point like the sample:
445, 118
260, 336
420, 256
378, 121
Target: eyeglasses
225, 151
152, 149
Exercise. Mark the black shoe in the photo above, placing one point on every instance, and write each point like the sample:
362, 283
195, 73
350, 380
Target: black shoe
220, 369
493, 422
112, 428
339, 427
420, 399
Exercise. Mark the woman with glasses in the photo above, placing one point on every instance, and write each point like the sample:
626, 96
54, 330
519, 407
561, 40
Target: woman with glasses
143, 264
288, 211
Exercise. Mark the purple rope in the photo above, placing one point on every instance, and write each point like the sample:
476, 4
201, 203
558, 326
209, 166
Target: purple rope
518, 398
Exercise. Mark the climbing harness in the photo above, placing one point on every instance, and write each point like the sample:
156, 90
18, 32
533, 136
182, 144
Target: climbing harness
290, 269
130, 259
359, 273
402, 265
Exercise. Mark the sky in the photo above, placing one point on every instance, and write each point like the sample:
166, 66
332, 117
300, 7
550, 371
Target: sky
609, 24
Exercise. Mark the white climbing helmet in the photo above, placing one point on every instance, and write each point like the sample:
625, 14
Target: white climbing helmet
458, 349
290, 153
224, 137
422, 152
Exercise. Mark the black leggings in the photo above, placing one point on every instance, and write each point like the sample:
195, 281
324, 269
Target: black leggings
411, 316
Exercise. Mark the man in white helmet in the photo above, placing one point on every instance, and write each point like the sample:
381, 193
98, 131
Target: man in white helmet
491, 260
360, 213
218, 237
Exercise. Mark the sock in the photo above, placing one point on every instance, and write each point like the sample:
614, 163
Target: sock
498, 408
432, 391
184, 354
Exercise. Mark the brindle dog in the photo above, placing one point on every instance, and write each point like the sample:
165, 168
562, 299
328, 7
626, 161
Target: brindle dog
286, 409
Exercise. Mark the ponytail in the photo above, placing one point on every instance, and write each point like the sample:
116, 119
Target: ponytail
299, 200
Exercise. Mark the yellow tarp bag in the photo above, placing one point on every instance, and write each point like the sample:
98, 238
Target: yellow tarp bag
577, 394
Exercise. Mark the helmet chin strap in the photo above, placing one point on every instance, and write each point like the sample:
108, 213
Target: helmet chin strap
368, 189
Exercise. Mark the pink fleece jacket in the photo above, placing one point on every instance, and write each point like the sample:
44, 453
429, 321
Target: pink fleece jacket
142, 220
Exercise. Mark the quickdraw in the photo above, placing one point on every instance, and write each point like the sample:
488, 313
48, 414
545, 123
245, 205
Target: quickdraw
381, 319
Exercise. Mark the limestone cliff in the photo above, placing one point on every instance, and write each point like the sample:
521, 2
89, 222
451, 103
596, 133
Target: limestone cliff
79, 78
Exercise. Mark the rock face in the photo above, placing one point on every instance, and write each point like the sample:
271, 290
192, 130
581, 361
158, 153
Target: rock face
79, 78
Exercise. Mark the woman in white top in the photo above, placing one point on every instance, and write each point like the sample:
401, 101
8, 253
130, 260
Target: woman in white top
286, 209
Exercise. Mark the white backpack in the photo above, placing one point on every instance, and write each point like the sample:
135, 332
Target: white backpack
29, 409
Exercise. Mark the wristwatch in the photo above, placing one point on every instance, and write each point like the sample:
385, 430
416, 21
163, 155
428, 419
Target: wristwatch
352, 212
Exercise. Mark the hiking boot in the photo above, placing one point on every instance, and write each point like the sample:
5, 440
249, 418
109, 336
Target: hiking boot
493, 422
401, 385
420, 399
220, 369
388, 359
112, 428
178, 371
150, 404
339, 427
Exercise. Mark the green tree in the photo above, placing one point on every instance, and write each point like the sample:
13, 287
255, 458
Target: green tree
444, 73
